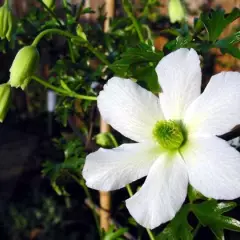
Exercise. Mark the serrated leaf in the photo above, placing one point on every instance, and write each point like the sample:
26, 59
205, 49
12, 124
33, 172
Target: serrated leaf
216, 21
139, 61
209, 213
178, 228
227, 45
180, 42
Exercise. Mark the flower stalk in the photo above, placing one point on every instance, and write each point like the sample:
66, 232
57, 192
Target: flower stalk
63, 91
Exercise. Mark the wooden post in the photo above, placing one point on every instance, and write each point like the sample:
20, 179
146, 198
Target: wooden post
105, 197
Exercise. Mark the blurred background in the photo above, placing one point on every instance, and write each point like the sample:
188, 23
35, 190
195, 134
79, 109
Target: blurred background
38, 197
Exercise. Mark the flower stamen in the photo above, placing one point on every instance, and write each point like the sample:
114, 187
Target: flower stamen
169, 134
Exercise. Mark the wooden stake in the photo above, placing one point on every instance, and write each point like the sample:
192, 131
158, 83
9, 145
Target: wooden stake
105, 197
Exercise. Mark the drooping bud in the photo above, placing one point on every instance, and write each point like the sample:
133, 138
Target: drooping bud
24, 66
49, 3
5, 99
176, 11
169, 134
7, 22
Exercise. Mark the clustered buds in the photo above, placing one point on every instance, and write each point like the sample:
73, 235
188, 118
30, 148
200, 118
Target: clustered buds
23, 67
176, 11
7, 22
5, 99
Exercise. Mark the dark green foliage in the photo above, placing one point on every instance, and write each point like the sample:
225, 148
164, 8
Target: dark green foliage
209, 213
216, 21
178, 228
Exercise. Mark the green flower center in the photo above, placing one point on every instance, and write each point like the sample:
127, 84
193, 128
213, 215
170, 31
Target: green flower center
169, 134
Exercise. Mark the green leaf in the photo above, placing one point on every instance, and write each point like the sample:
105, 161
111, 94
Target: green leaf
139, 62
193, 194
74, 160
227, 45
113, 234
209, 213
178, 228
180, 42
216, 21
147, 77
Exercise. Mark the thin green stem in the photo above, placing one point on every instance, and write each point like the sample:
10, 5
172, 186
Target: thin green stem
51, 13
6, 2
130, 192
196, 230
79, 10
63, 91
99, 55
71, 51
53, 31
128, 9
65, 3
150, 234
88, 194
67, 34
129, 189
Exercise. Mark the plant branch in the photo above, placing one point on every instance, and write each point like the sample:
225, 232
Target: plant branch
128, 9
67, 34
63, 91
51, 12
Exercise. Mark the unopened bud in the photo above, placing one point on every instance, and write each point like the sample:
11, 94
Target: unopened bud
23, 67
176, 11
49, 3
7, 22
105, 140
5, 99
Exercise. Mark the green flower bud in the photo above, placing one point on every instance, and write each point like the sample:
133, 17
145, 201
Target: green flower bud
176, 11
169, 134
5, 99
23, 67
105, 140
7, 22
49, 3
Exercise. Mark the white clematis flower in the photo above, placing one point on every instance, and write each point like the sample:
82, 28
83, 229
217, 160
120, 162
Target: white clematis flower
176, 139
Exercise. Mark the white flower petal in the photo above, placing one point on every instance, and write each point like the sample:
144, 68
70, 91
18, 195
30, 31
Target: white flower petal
179, 76
217, 110
162, 194
213, 167
110, 169
129, 108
